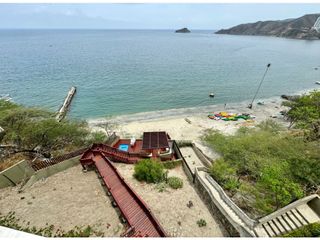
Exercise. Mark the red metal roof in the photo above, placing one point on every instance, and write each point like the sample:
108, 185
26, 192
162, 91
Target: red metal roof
154, 140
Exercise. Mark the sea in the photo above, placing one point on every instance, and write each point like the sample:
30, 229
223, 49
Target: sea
120, 72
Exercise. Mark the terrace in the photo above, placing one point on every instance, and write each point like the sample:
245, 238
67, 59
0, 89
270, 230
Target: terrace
152, 145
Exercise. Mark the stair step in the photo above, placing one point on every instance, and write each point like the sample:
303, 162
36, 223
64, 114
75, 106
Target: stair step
274, 228
283, 224
288, 221
279, 226
293, 218
299, 217
268, 230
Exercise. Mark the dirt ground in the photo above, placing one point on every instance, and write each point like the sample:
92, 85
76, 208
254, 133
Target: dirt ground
170, 206
67, 199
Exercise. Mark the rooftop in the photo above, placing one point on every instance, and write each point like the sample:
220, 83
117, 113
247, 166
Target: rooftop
155, 140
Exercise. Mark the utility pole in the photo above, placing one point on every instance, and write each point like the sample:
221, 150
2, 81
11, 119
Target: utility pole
264, 75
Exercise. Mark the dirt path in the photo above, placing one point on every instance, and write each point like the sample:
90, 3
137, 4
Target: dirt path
67, 199
170, 206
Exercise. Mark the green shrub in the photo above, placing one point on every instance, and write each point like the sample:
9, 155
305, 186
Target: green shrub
267, 159
170, 164
202, 223
150, 171
310, 230
175, 182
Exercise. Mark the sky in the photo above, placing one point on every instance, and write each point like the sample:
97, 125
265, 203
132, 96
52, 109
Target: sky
145, 16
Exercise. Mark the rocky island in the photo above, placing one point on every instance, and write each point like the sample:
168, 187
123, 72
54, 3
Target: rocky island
183, 30
297, 28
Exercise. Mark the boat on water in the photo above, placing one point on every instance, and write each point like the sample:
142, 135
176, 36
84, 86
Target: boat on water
211, 95
318, 82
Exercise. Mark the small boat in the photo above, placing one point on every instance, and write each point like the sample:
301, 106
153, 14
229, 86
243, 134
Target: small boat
211, 95
318, 82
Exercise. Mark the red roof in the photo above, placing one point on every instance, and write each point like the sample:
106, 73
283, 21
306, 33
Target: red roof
154, 140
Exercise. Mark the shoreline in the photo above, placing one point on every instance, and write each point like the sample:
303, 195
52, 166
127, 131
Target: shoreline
188, 112
197, 124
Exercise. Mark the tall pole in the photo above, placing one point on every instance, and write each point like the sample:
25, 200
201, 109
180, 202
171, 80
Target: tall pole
264, 75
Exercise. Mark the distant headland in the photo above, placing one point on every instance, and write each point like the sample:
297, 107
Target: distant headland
183, 30
304, 27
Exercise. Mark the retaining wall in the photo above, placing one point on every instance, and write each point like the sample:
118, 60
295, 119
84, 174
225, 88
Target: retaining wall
15, 174
232, 227
203, 158
49, 171
185, 166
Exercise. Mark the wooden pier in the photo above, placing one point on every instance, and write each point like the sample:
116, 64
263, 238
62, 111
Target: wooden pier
65, 106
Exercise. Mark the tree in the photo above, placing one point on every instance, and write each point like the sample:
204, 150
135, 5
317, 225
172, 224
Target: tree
280, 189
304, 113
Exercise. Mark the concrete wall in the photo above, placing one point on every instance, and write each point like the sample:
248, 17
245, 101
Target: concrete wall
314, 204
214, 210
185, 166
283, 210
47, 172
15, 174
203, 158
244, 217
233, 228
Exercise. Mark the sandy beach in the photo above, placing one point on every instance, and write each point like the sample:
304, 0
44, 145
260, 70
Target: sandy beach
174, 121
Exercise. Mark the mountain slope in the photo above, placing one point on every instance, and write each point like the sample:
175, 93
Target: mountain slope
298, 28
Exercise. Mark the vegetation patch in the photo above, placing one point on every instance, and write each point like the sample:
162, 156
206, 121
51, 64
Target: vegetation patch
310, 230
265, 167
304, 113
11, 221
150, 171
34, 130
202, 223
171, 164
175, 182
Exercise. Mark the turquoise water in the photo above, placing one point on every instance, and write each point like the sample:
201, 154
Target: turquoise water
118, 72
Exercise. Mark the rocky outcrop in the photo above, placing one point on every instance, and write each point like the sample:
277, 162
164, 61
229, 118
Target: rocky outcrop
183, 30
298, 28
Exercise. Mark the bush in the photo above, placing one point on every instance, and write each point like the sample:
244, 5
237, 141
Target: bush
202, 223
267, 159
171, 164
148, 170
310, 230
175, 182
